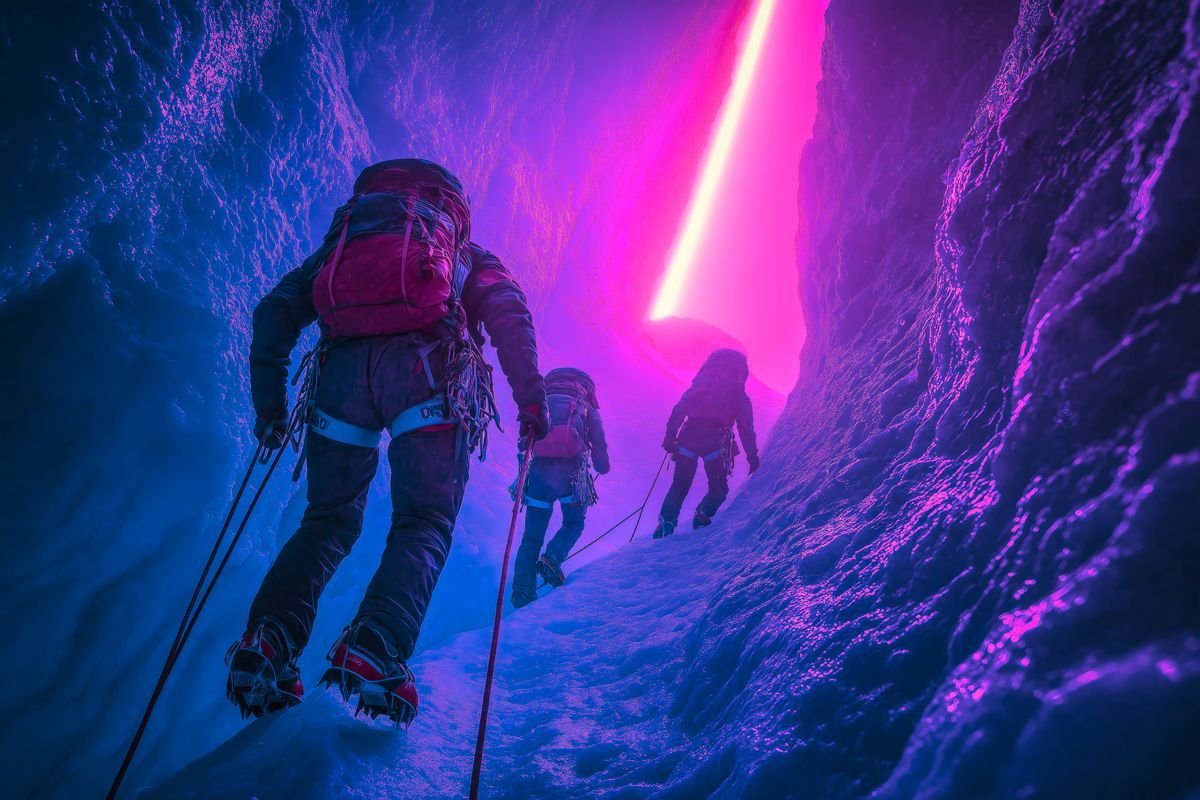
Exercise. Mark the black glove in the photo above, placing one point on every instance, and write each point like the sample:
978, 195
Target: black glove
669, 444
534, 420
754, 464
274, 427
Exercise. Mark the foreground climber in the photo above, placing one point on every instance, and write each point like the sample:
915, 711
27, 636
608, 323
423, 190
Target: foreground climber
561, 471
402, 294
701, 429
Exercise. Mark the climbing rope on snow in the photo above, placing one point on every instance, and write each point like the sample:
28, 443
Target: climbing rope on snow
666, 456
206, 583
519, 495
637, 511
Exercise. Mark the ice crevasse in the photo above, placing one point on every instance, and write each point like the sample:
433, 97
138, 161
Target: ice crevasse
967, 567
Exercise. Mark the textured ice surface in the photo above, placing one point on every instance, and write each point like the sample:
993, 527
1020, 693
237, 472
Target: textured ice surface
967, 568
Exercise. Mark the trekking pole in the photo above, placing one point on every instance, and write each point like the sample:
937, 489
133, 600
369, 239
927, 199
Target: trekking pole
195, 606
259, 455
477, 767
647, 500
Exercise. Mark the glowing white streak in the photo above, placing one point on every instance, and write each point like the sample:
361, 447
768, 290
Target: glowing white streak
683, 253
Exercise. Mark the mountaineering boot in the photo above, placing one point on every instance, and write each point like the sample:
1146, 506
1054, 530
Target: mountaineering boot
366, 663
701, 519
262, 670
523, 597
551, 571
665, 528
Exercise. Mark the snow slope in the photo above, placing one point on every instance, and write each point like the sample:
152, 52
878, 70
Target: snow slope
583, 681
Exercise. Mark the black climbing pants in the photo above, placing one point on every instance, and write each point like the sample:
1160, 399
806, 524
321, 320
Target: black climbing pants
550, 480
681, 484
368, 382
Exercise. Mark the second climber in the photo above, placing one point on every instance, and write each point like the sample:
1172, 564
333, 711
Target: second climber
560, 472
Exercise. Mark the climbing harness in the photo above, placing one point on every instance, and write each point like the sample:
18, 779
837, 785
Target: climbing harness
477, 767
206, 583
583, 487
727, 451
456, 400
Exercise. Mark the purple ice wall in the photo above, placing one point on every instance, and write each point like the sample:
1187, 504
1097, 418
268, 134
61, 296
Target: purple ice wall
967, 568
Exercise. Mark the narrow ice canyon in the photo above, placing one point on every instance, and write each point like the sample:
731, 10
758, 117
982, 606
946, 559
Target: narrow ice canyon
958, 241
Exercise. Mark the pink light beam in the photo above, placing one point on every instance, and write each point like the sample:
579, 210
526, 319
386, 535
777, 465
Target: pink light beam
683, 252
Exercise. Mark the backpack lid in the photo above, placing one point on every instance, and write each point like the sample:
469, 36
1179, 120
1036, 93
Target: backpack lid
574, 380
400, 175
723, 365
718, 386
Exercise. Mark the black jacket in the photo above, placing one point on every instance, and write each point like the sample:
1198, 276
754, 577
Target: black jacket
707, 418
491, 299
596, 440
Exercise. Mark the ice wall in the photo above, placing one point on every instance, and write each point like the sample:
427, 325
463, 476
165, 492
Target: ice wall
973, 529
993, 551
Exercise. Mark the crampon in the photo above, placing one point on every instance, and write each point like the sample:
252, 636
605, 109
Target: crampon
263, 677
551, 571
364, 665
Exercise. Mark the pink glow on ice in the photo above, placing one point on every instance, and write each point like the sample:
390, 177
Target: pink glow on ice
733, 263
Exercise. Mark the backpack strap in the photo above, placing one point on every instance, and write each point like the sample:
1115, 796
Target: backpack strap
424, 352
341, 245
461, 270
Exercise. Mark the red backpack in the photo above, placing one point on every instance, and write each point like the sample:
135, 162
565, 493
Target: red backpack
393, 251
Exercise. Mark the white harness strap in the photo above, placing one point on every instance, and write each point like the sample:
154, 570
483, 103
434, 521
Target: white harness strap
683, 451
423, 415
332, 428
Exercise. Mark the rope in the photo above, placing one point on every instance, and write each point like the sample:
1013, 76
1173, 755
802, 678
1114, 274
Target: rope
202, 592
477, 767
639, 510
623, 519
662, 464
